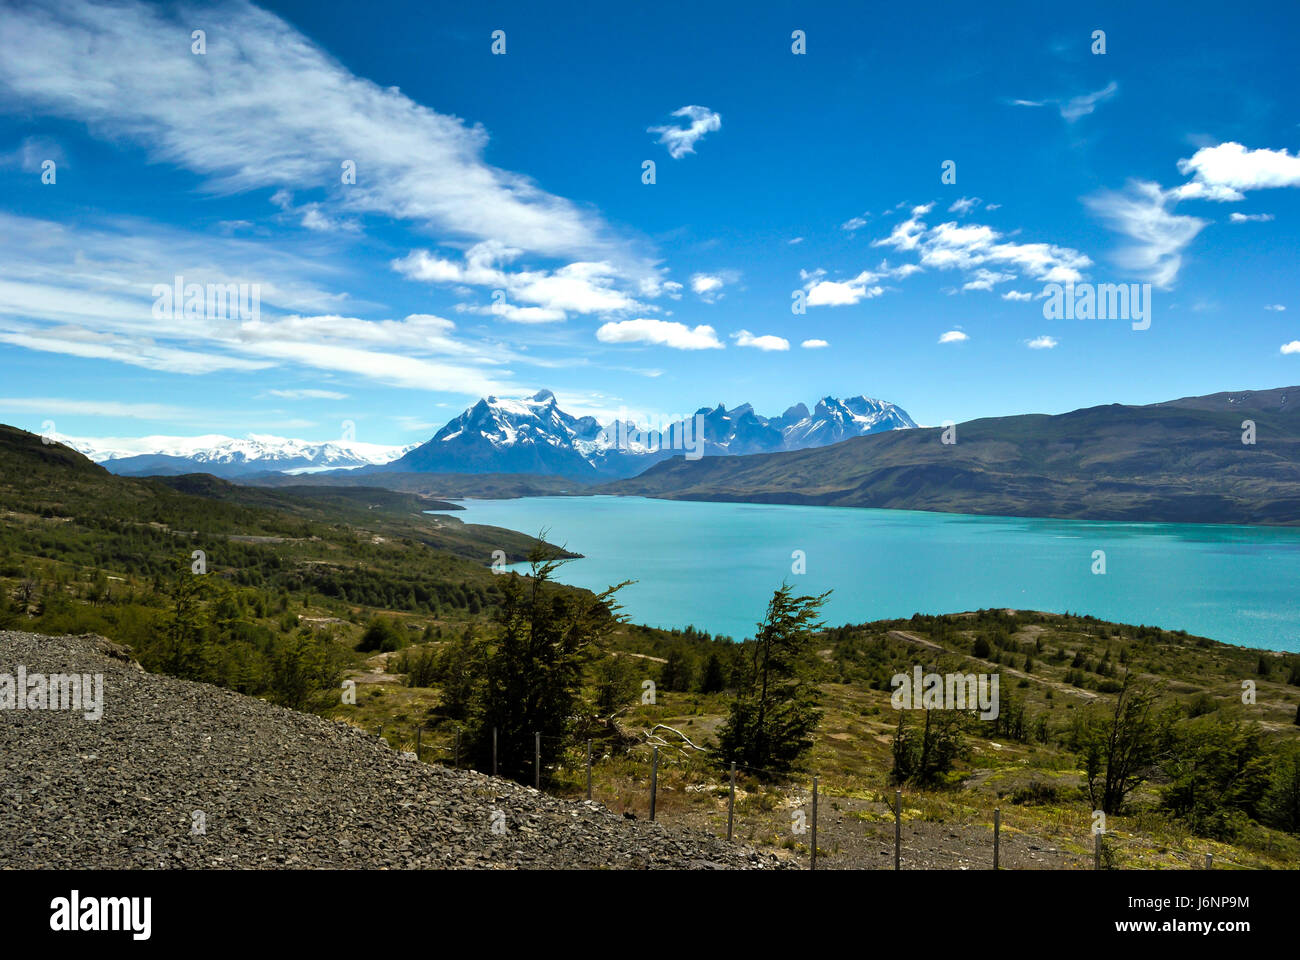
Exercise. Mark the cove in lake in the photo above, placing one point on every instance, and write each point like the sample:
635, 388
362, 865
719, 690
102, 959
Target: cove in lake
715, 565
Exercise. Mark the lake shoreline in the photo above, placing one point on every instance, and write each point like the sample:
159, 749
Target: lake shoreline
713, 564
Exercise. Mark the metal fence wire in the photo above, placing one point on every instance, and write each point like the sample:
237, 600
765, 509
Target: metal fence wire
745, 803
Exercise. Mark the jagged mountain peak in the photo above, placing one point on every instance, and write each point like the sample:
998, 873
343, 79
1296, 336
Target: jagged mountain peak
533, 435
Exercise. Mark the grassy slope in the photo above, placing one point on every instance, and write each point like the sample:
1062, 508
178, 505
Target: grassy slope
1182, 461
67, 521
1037, 785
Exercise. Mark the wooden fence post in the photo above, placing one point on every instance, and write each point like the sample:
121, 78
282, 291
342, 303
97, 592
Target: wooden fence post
418, 728
997, 830
731, 801
898, 829
654, 780
813, 865
588, 769
494, 751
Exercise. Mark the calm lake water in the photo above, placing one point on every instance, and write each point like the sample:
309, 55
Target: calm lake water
715, 565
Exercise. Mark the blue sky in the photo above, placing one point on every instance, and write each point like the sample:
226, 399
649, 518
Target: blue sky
1172, 159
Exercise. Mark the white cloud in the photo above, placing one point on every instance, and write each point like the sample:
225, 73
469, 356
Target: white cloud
1250, 217
57, 406
969, 247
1224, 172
33, 152
1142, 213
308, 394
1018, 295
1081, 106
267, 108
86, 291
314, 219
666, 333
707, 286
1275, 307
854, 224
814, 344
1042, 343
986, 279
766, 343
953, 336
512, 313
1075, 107
964, 206
1292, 347
584, 287
681, 140
839, 293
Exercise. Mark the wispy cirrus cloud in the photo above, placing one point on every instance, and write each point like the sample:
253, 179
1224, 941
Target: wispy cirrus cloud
977, 249
1144, 210
681, 140
267, 108
88, 291
1072, 108
583, 287
308, 394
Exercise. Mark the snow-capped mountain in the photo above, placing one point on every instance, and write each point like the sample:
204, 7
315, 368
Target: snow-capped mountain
834, 420
533, 435
225, 456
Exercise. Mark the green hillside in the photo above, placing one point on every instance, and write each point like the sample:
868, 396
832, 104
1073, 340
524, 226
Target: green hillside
288, 572
1182, 461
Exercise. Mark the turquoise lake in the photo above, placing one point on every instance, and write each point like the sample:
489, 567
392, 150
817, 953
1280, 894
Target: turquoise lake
715, 565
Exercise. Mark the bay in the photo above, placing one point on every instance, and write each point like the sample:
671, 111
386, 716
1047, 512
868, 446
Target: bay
715, 565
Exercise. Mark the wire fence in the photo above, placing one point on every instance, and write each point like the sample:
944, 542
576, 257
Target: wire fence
826, 826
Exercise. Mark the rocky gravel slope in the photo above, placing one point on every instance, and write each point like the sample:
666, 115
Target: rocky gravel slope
275, 788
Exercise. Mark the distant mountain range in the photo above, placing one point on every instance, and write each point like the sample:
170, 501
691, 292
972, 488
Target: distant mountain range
1179, 461
505, 436
535, 436
224, 456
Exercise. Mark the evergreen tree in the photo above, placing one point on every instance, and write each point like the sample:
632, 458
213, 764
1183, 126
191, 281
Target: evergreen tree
714, 679
382, 636
925, 755
184, 625
615, 684
532, 676
775, 709
678, 670
1119, 747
